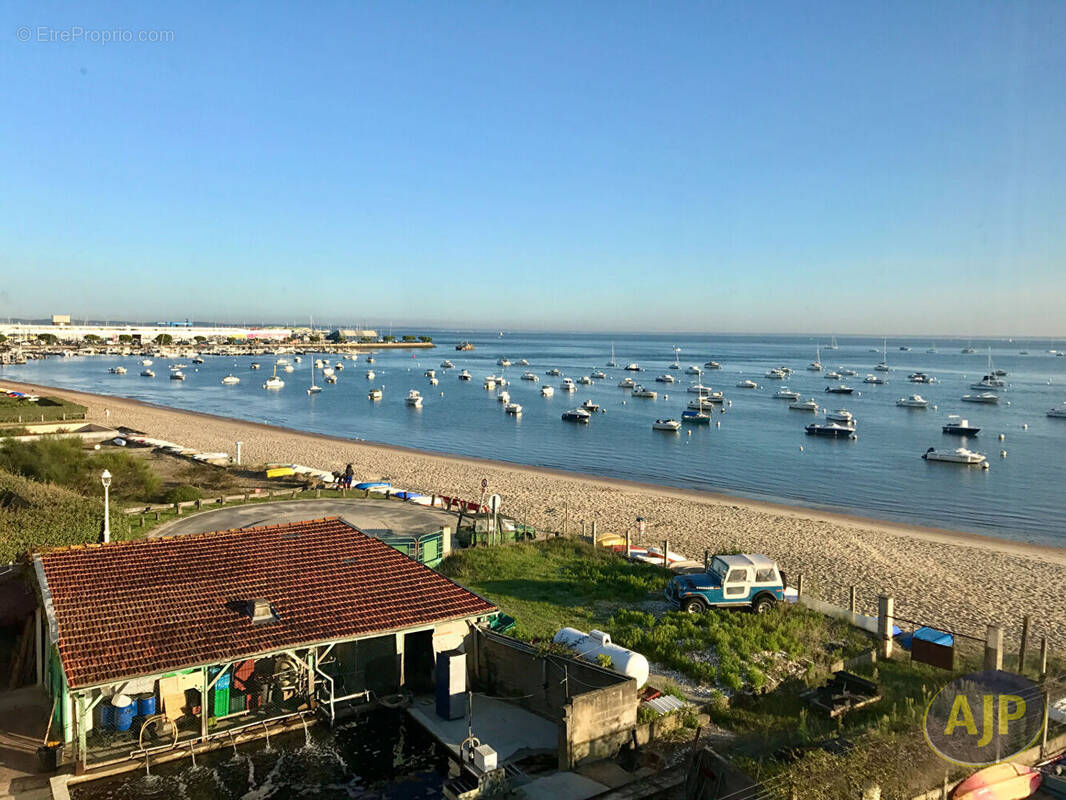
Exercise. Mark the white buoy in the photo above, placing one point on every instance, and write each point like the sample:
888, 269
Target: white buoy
801, 448
666, 397
1008, 402
718, 423
935, 408
623, 402
730, 403
1002, 436
690, 433
1002, 453
1025, 426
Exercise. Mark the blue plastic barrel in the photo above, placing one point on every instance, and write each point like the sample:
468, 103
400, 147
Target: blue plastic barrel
146, 705
123, 713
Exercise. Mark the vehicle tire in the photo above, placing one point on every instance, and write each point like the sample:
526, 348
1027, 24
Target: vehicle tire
693, 605
763, 603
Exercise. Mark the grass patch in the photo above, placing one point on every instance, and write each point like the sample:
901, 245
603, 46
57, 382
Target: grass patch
64, 461
51, 408
555, 583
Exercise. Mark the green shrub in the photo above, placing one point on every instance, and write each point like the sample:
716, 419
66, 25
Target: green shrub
183, 494
36, 516
605, 661
63, 460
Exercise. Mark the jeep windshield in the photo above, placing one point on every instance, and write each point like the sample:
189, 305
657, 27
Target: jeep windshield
719, 567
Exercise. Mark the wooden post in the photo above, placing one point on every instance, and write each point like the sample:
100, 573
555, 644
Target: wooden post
1024, 644
885, 618
245, 498
157, 516
595, 538
994, 648
799, 585
627, 542
1043, 658
199, 504
318, 493
706, 560
583, 533
142, 521
852, 604
666, 549
177, 509
1043, 734
566, 519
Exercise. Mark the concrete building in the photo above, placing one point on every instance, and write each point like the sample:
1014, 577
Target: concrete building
209, 634
141, 333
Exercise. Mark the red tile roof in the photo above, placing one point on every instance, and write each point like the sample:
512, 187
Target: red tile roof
151, 606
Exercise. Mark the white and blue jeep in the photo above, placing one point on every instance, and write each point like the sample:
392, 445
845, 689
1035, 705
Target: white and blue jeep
751, 581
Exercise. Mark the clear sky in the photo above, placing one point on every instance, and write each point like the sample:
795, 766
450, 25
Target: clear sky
857, 167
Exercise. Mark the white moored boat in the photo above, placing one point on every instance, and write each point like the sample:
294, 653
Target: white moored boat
672, 425
504, 397
584, 380
784, 393
747, 384
567, 385
576, 415
804, 405
588, 405
547, 391
666, 378
117, 370
626, 383
230, 380
632, 367
775, 374
374, 394
959, 455
875, 379
699, 388
177, 375
816, 365
464, 375
503, 362
640, 391
274, 382
146, 362
692, 370
553, 372
914, 401
1058, 411
599, 374
711, 365
147, 373
446, 364
514, 409
413, 399
984, 397
840, 415
370, 375
529, 376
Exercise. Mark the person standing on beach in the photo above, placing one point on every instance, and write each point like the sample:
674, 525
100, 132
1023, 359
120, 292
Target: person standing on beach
349, 474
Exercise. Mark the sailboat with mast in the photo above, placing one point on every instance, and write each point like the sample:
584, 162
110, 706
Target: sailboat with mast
612, 362
816, 365
313, 388
883, 365
832, 343
677, 363
992, 380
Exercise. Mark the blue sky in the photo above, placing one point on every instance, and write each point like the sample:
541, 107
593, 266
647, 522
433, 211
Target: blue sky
845, 166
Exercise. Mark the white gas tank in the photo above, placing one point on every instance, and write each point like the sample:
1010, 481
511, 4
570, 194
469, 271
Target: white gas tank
589, 645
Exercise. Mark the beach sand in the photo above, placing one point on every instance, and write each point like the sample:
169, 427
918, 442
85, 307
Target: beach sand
956, 581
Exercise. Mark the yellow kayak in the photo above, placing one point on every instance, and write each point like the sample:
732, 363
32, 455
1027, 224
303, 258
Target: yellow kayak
999, 782
279, 472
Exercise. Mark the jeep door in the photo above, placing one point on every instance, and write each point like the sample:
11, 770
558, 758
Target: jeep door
737, 586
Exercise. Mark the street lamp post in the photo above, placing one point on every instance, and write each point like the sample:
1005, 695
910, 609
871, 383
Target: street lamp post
105, 479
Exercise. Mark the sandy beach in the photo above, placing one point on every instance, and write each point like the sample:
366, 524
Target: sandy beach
957, 581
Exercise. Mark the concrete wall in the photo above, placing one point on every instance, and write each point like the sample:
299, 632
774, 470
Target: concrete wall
596, 708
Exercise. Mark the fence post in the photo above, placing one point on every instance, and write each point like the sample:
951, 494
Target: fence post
142, 521
177, 509
1043, 658
245, 498
566, 519
706, 560
799, 585
222, 500
595, 538
852, 599
666, 549
994, 647
1043, 734
627, 542
318, 493
583, 533
885, 608
157, 516
1024, 644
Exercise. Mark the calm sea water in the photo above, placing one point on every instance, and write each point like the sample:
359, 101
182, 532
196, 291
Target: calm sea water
759, 451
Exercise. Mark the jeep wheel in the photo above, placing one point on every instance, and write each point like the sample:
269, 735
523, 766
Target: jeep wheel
762, 604
693, 606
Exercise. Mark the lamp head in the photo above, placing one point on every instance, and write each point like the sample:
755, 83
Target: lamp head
105, 478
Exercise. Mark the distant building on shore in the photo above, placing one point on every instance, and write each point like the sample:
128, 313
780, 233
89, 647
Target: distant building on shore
183, 332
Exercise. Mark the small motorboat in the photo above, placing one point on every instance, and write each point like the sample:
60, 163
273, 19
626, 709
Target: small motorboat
914, 401
839, 389
281, 362
1058, 412
529, 376
554, 372
446, 364
547, 391
840, 415
489, 383
374, 394
576, 415
255, 365
747, 384
585, 380
712, 365
503, 362
875, 379
504, 397
338, 366
626, 383
640, 391
369, 359
881, 367
699, 388
523, 363
692, 370
849, 373
919, 377
775, 374
117, 370
230, 380
147, 373
599, 374
413, 399
665, 378
671, 425
314, 388
633, 367
274, 382
832, 429
804, 405
146, 362
960, 455
433, 381
784, 393
514, 409
288, 368
567, 385
331, 378
430, 373
960, 427
370, 375
984, 397
589, 406
833, 376
464, 375
177, 375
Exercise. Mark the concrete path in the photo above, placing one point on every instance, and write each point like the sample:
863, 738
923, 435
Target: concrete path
23, 717
374, 517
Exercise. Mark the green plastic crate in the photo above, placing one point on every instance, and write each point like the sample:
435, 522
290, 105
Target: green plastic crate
221, 702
